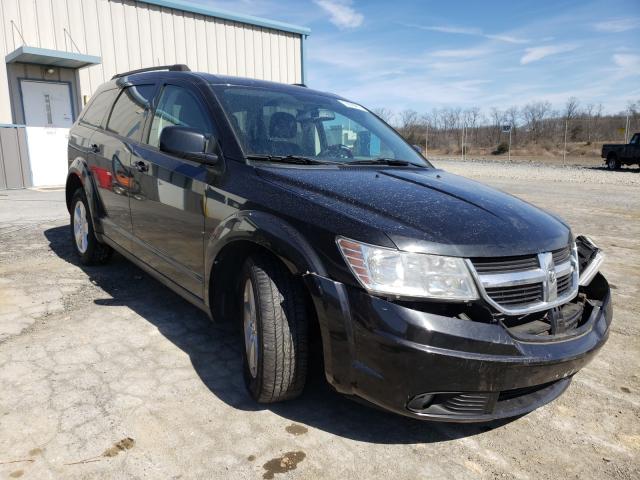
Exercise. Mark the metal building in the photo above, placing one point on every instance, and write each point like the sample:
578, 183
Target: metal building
57, 52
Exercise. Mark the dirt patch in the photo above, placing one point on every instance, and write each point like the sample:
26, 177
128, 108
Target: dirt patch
296, 430
121, 446
16, 474
289, 461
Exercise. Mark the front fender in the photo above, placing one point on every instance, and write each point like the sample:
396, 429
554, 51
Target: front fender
80, 170
269, 232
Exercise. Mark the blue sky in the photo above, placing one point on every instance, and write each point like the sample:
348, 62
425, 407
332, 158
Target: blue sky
432, 54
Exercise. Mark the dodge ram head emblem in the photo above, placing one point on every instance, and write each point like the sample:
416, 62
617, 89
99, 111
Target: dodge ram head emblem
550, 284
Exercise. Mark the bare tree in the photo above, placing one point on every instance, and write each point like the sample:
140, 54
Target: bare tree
385, 114
534, 115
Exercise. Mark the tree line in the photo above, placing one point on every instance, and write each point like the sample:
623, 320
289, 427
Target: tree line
536, 124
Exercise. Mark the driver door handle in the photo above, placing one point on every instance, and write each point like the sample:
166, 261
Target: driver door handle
141, 166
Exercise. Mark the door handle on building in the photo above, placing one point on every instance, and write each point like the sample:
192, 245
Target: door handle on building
141, 166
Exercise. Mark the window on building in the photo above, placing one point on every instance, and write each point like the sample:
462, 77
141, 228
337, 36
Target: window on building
178, 106
97, 109
127, 116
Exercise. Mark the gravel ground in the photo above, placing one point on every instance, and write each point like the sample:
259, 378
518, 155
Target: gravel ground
104, 373
628, 176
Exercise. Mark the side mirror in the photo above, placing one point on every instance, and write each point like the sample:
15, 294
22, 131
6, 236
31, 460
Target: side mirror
187, 143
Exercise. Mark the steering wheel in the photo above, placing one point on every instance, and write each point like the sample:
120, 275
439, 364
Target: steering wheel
336, 151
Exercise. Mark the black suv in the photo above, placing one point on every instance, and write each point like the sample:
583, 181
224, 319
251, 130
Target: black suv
304, 217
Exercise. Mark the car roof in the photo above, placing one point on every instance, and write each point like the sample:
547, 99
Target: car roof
215, 80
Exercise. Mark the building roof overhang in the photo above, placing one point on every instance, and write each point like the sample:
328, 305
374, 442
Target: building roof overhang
53, 58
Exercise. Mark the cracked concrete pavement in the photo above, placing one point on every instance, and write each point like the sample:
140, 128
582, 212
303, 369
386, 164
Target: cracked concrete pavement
104, 373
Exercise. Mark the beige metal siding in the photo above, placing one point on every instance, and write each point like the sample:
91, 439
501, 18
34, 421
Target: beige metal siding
131, 34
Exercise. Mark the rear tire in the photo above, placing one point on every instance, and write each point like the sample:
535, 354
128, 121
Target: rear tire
613, 163
274, 321
89, 250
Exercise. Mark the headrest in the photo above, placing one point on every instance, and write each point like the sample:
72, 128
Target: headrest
282, 125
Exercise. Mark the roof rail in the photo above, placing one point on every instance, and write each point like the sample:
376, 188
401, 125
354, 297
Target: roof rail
172, 68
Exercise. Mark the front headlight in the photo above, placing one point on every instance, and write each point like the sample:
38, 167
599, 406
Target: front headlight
392, 272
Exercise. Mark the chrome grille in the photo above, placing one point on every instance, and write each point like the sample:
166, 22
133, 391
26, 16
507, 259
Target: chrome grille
516, 295
508, 264
564, 284
561, 255
527, 283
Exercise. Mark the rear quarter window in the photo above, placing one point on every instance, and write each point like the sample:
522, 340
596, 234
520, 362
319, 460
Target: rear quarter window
98, 108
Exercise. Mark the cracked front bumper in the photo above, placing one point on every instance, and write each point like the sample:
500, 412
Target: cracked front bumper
434, 367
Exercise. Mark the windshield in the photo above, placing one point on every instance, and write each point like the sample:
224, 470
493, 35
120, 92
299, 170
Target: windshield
299, 123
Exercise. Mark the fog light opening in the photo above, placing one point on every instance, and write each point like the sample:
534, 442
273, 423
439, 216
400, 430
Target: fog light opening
421, 402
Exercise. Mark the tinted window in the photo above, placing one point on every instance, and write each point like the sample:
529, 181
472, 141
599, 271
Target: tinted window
301, 122
127, 116
178, 106
96, 110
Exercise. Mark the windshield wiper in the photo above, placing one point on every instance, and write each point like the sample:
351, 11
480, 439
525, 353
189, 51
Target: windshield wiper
385, 161
294, 159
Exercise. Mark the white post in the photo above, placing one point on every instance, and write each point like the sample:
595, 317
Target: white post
564, 153
626, 128
462, 144
511, 128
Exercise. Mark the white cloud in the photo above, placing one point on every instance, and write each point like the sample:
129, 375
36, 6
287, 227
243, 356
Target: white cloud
341, 13
617, 25
461, 53
468, 31
507, 38
449, 29
534, 54
628, 63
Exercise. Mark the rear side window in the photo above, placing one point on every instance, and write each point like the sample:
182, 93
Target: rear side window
97, 109
127, 116
178, 106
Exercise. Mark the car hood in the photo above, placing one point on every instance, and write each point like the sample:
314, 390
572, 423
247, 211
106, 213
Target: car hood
427, 210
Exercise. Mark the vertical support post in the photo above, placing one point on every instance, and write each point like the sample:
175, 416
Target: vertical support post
426, 142
626, 128
511, 128
564, 153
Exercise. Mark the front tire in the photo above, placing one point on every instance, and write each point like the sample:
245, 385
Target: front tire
89, 250
274, 325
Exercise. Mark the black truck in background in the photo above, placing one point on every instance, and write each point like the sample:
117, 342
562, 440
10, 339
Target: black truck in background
617, 155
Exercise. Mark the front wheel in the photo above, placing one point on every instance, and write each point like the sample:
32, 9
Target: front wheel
89, 249
274, 325
613, 163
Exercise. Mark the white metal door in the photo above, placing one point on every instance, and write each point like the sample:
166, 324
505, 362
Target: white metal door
46, 104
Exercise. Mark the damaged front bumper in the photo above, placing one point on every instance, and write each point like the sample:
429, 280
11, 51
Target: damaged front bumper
434, 367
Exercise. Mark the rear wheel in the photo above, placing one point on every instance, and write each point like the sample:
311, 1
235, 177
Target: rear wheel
613, 163
274, 325
89, 249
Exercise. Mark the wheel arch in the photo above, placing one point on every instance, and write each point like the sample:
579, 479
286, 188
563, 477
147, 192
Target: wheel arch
79, 176
242, 235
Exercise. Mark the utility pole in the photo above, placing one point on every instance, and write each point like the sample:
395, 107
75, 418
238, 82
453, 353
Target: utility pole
510, 128
462, 144
564, 153
626, 128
